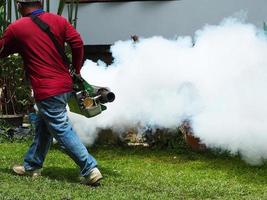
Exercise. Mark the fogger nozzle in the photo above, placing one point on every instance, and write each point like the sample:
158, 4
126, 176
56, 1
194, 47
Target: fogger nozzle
106, 96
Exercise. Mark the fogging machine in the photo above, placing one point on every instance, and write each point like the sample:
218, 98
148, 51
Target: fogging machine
88, 99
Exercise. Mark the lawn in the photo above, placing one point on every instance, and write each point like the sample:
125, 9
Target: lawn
135, 173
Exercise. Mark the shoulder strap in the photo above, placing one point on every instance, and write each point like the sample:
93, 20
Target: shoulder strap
45, 27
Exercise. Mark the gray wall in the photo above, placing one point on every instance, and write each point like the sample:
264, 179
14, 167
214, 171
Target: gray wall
105, 23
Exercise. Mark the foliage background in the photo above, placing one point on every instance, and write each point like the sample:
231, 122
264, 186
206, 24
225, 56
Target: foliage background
15, 91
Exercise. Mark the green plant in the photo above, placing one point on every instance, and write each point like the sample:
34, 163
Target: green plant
15, 92
4, 131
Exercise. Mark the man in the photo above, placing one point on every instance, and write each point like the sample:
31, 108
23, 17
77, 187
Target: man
52, 86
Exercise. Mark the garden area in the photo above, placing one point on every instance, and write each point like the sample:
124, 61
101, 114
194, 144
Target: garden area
135, 173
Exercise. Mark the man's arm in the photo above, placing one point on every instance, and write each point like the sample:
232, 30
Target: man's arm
8, 43
73, 38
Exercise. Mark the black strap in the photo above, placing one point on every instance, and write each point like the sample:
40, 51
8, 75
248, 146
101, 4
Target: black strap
45, 27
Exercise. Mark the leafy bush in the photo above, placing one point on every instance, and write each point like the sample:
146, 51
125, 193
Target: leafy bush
14, 90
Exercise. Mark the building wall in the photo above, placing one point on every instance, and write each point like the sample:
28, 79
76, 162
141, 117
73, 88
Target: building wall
105, 23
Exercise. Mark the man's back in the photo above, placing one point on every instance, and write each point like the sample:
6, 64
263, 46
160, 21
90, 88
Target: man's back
45, 68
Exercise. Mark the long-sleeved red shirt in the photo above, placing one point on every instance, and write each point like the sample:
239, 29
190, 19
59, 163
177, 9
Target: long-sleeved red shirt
47, 72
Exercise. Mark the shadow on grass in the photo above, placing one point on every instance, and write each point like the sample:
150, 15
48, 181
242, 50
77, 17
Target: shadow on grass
71, 175
231, 166
7, 171
53, 173
63, 174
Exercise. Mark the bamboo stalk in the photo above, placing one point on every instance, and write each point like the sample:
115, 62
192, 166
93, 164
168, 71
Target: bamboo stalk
42, 4
61, 7
70, 11
16, 9
9, 12
76, 13
48, 5
5, 17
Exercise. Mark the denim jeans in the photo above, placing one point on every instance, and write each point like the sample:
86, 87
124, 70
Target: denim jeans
52, 121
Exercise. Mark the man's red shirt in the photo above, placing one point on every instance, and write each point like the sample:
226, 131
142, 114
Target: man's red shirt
47, 72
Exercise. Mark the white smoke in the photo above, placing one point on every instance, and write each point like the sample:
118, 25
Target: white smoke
216, 80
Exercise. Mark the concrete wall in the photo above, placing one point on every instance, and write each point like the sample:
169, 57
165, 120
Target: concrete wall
105, 23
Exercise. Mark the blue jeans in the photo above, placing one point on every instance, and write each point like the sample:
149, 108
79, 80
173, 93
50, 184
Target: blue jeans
52, 121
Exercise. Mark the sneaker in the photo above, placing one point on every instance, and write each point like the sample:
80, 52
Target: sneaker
20, 170
93, 178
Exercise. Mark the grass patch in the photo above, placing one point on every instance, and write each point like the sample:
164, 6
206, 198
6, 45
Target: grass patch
135, 173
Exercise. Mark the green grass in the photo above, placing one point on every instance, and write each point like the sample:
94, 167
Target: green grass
135, 173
